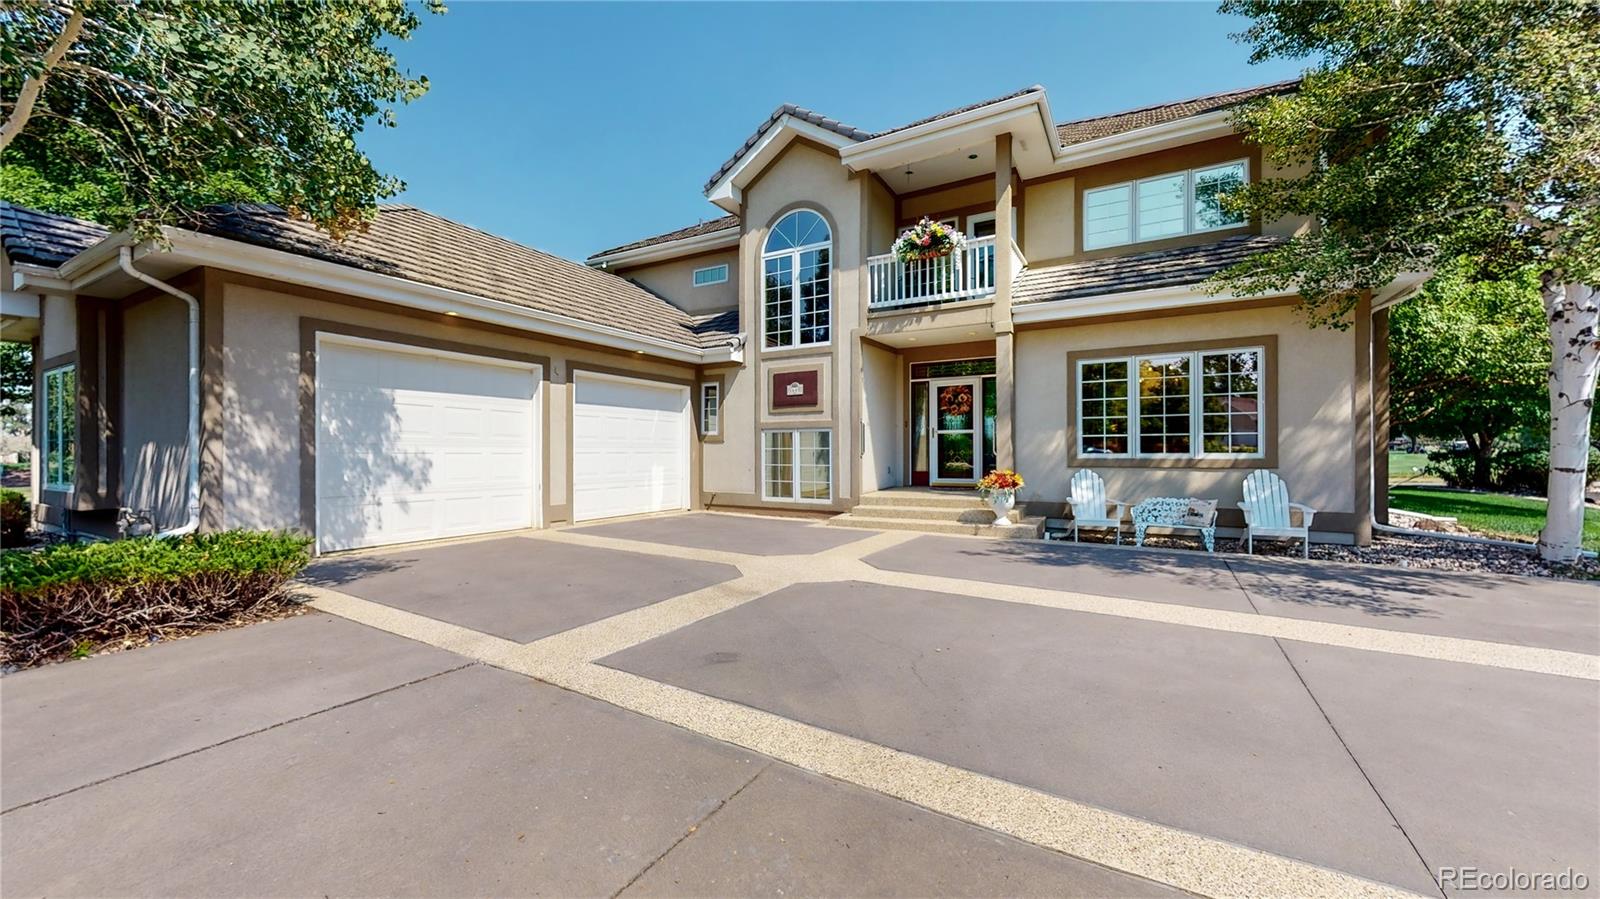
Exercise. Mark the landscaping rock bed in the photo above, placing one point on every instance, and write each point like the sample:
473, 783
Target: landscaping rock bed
1400, 551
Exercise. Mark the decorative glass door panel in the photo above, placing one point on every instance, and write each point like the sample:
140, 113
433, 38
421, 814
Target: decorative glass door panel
956, 415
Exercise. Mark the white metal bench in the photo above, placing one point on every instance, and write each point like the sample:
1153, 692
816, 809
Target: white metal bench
1171, 512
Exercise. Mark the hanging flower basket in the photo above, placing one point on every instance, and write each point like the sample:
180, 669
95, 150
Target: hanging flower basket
928, 239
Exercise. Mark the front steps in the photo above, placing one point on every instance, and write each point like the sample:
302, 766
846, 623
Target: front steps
932, 511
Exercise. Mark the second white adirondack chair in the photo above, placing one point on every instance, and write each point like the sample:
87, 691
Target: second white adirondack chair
1268, 512
1090, 508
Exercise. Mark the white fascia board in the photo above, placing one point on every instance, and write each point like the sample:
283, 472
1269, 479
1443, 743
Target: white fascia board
756, 158
913, 143
715, 240
868, 152
1155, 298
1144, 140
1402, 288
26, 276
16, 304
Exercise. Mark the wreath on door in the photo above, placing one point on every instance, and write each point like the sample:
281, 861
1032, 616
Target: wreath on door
955, 401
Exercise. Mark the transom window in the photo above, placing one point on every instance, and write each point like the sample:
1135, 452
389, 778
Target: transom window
796, 276
1164, 405
711, 274
797, 465
1162, 206
60, 427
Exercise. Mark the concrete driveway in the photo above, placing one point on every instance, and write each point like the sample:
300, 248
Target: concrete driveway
727, 705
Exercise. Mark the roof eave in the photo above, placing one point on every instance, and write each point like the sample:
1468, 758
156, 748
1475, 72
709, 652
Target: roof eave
193, 248
1122, 302
870, 153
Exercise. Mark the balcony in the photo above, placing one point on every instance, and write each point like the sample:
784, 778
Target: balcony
968, 274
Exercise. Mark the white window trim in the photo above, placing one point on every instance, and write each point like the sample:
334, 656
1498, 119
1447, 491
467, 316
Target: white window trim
794, 285
1188, 205
694, 280
715, 388
1196, 412
794, 465
44, 437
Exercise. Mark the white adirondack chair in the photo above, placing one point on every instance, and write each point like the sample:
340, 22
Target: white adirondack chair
1268, 512
1090, 507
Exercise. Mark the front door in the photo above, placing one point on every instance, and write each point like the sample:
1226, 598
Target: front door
956, 413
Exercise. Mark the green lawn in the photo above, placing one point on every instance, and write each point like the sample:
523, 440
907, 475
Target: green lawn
1404, 466
1494, 514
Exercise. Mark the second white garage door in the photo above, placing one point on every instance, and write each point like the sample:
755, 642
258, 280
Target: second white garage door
630, 446
416, 444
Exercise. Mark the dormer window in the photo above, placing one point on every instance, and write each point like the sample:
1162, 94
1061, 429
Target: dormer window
796, 282
1162, 206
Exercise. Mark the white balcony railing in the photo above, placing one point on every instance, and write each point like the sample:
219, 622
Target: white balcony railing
969, 273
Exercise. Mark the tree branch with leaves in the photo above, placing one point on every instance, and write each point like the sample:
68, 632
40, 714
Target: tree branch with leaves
146, 113
1429, 132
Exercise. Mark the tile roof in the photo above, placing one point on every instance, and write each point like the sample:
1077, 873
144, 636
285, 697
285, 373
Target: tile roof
410, 243
1077, 132
787, 109
1141, 271
44, 238
417, 245
717, 224
850, 131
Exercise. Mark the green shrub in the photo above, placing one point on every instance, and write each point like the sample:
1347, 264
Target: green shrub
16, 516
1518, 470
56, 598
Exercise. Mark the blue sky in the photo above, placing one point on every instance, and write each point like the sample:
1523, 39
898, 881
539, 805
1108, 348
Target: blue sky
576, 127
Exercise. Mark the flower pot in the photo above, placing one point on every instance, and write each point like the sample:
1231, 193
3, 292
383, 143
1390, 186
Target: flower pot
1002, 502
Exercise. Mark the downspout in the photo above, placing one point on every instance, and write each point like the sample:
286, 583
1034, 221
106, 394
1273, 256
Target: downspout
193, 522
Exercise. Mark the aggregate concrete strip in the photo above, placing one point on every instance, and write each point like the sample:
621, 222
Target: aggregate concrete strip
459, 640
1164, 854
1557, 662
845, 563
521, 590
793, 831
1167, 855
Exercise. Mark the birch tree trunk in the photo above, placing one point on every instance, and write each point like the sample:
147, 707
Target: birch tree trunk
1573, 311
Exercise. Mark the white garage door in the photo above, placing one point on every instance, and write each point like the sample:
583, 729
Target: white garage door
630, 447
416, 445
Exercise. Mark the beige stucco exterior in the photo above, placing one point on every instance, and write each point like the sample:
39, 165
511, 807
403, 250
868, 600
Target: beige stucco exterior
1316, 387
814, 174
1049, 217
673, 280
155, 444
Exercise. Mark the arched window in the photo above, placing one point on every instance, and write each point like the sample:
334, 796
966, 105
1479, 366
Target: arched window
796, 277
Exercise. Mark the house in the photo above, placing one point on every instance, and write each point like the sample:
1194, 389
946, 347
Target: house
424, 379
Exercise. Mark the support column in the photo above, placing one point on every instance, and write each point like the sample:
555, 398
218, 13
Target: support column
1004, 342
1380, 415
1361, 412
